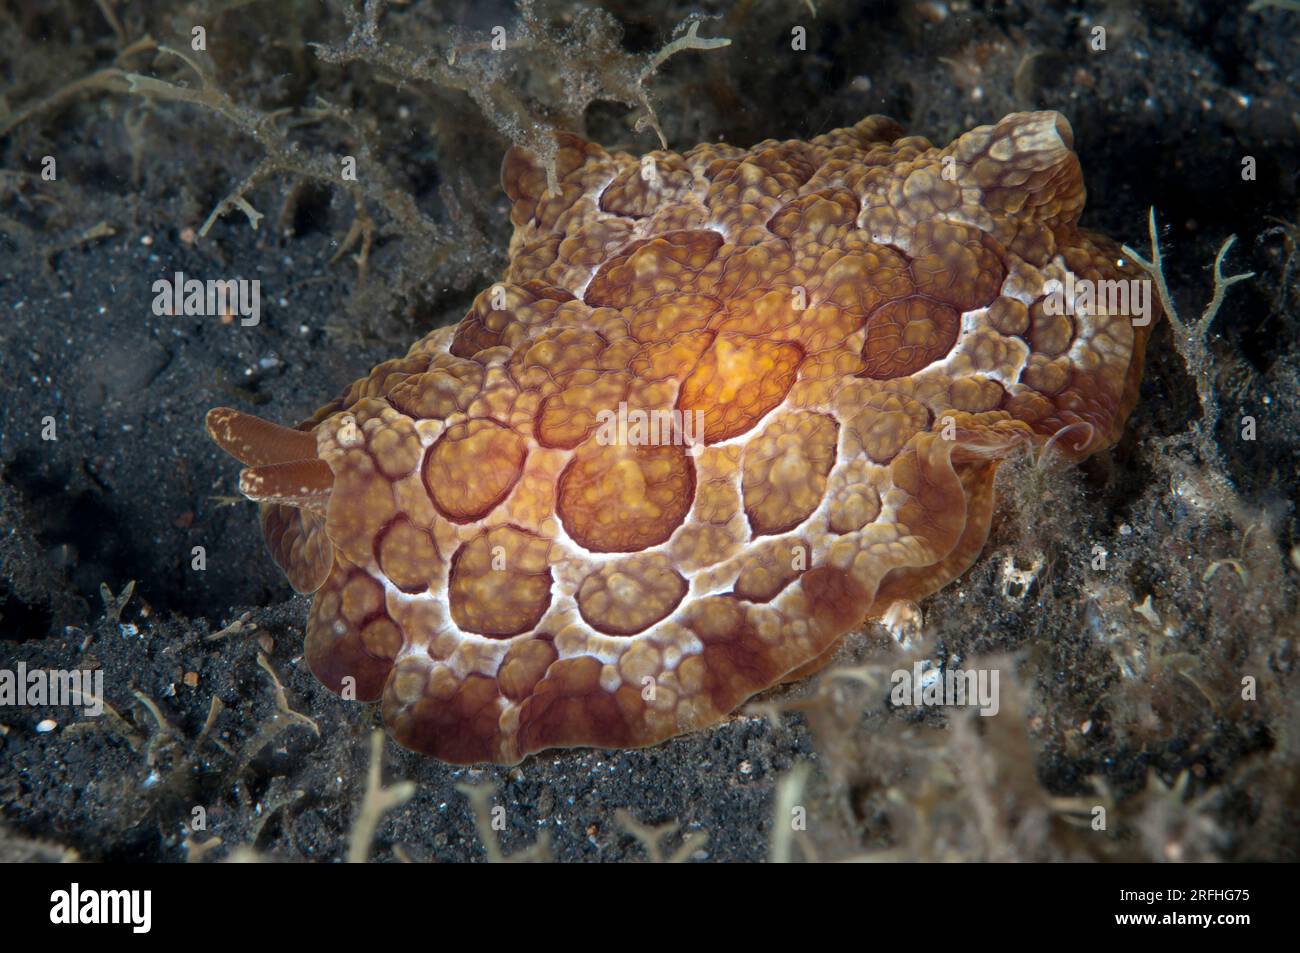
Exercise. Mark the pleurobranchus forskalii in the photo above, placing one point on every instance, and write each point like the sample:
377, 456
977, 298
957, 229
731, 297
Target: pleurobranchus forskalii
722, 407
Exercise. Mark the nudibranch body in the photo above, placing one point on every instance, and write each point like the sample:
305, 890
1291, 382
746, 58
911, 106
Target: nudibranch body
723, 407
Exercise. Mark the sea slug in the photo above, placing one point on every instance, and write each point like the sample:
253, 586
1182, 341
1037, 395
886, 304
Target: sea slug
723, 407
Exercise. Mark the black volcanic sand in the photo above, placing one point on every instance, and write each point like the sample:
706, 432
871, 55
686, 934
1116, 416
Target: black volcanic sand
1104, 702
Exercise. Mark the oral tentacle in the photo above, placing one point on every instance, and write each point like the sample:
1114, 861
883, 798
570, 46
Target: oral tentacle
255, 442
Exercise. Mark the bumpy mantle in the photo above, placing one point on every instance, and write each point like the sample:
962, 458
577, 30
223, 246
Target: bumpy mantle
861, 321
